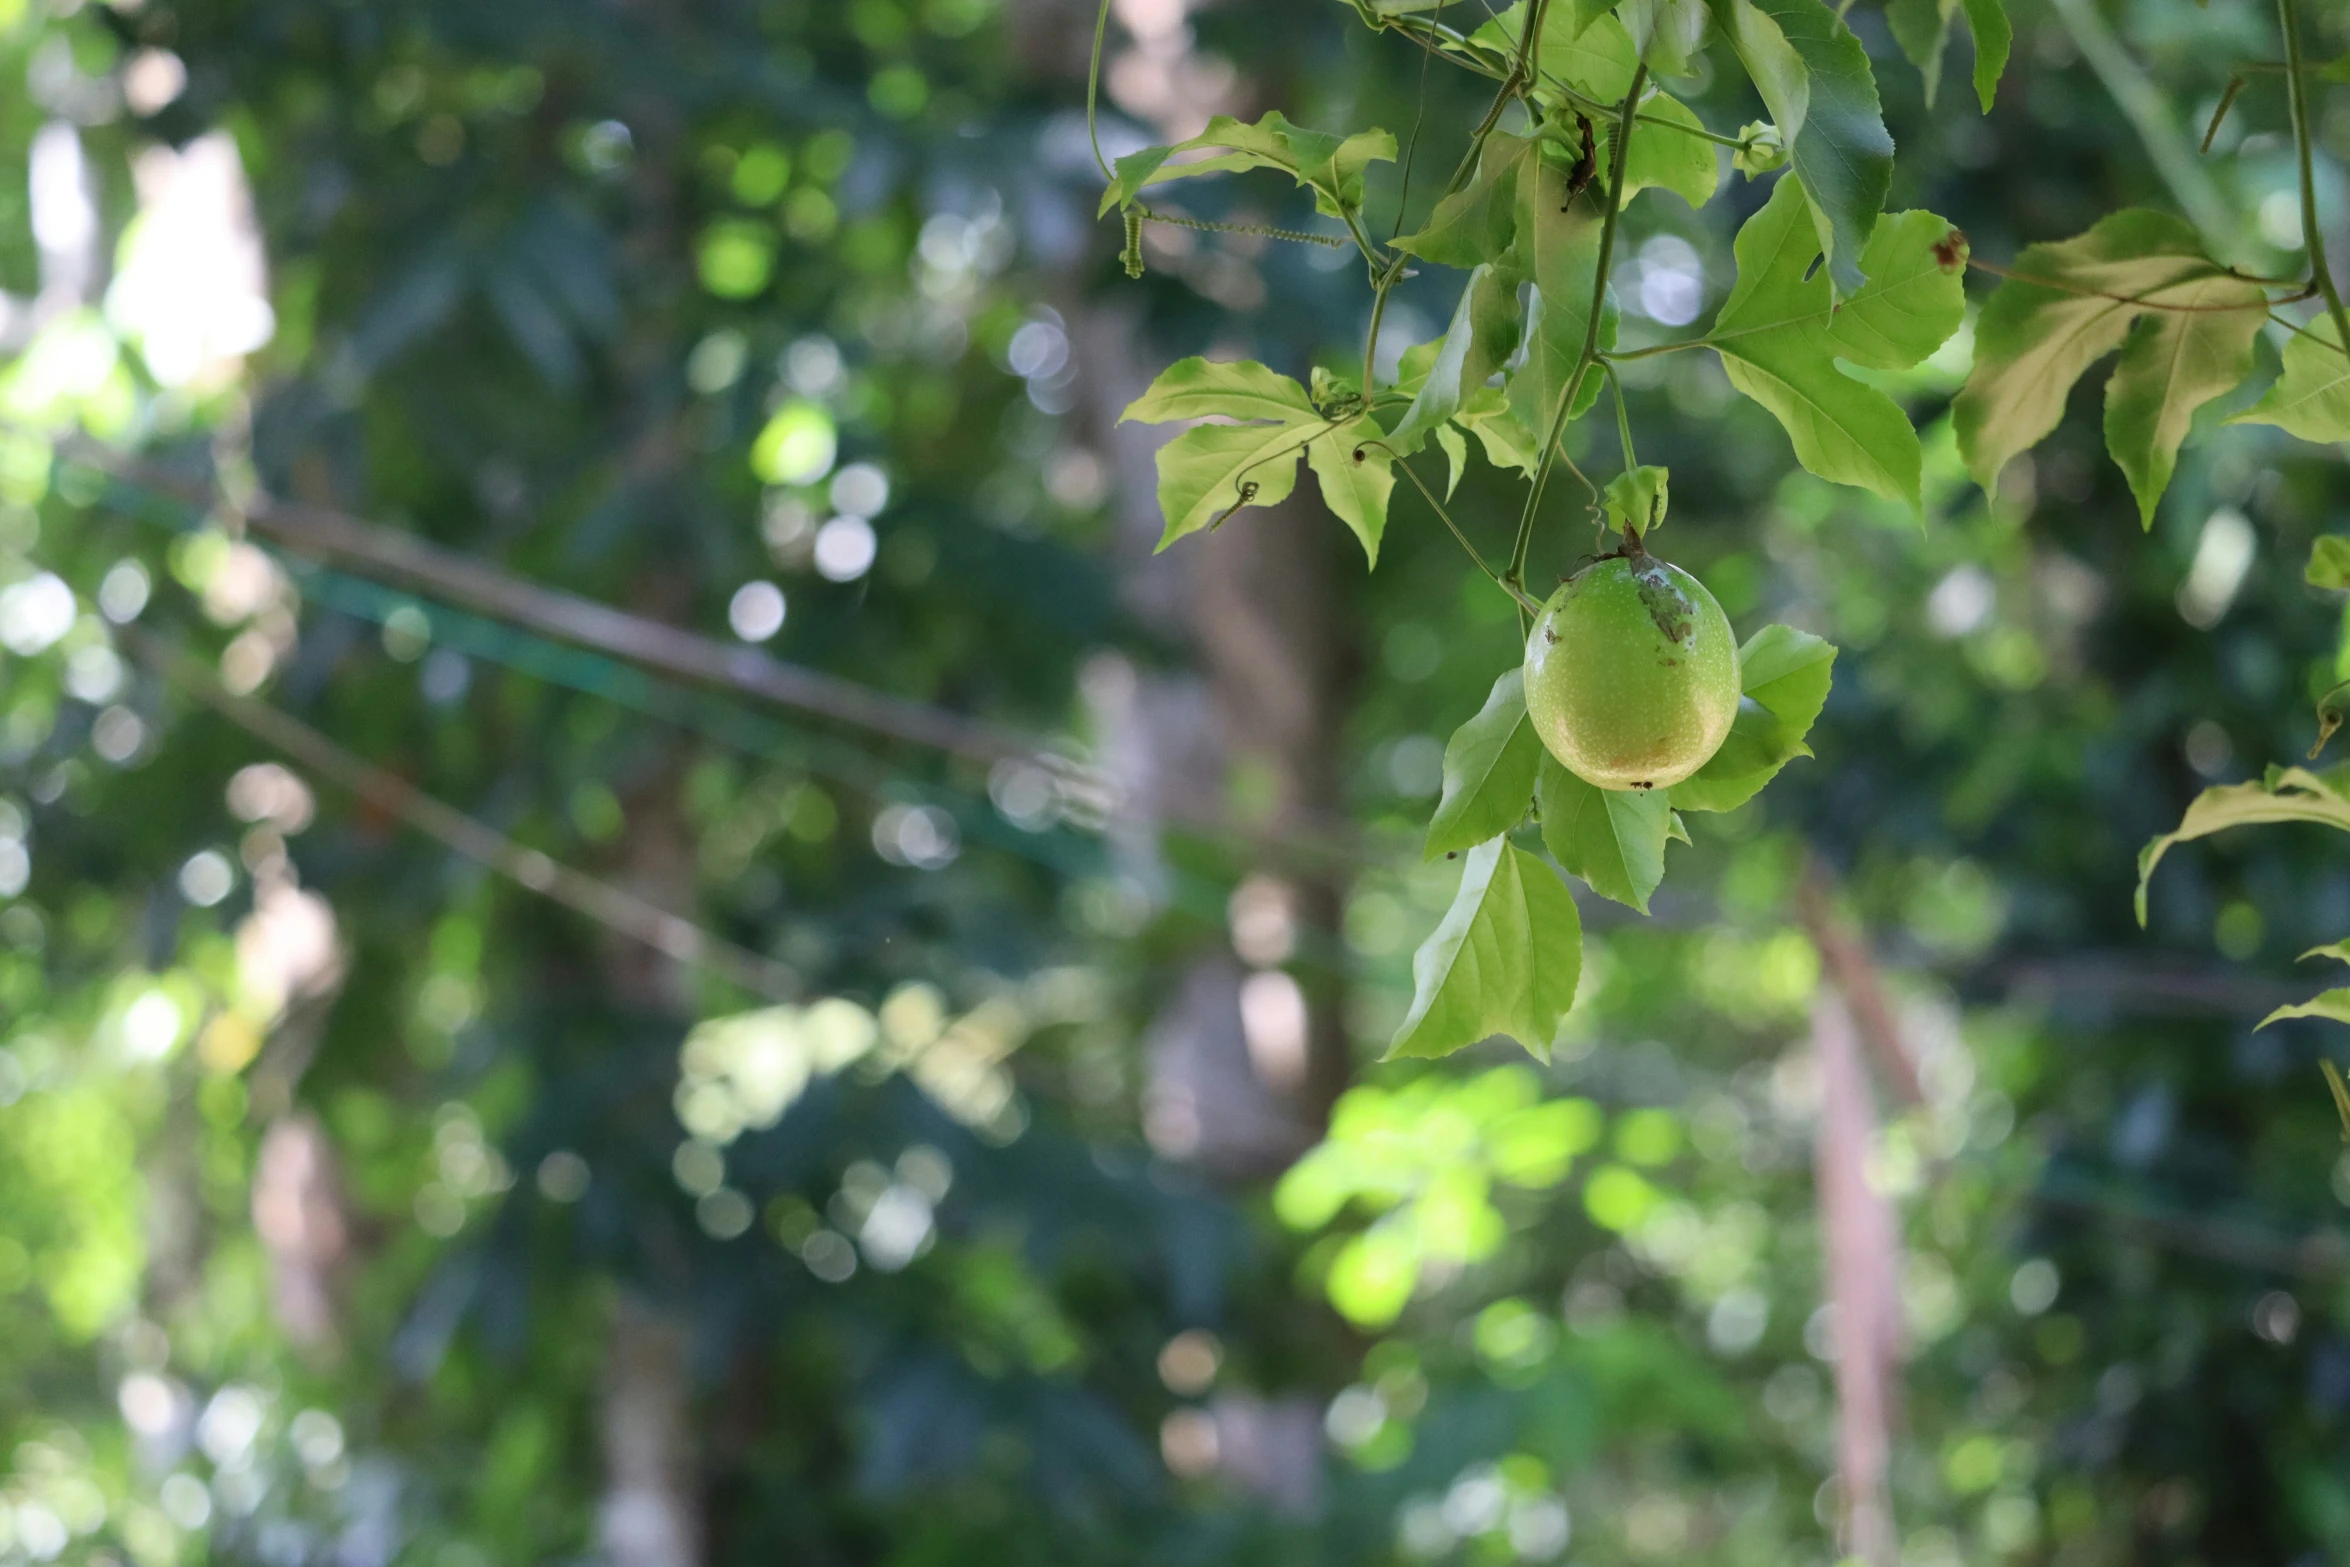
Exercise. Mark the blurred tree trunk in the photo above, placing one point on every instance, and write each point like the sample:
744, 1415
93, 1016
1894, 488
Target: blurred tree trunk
651, 1514
1249, 1050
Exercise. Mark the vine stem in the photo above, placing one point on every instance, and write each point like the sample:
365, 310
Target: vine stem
1607, 249
1525, 601
2297, 96
1623, 415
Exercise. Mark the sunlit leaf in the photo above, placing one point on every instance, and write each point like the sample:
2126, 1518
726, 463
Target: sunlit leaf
1199, 388
1488, 772
2329, 562
1475, 224
2332, 1005
1211, 470
1356, 474
2311, 398
1507, 441
1666, 159
2138, 281
2292, 794
1456, 456
1504, 960
1595, 57
1329, 165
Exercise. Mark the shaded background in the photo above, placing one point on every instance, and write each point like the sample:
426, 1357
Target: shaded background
936, 1195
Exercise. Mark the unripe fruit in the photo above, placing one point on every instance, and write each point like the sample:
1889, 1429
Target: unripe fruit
1632, 674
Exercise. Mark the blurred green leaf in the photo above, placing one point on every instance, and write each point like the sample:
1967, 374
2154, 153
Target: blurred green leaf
2292, 794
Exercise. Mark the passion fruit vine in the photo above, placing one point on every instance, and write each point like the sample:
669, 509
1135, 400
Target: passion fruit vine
1632, 673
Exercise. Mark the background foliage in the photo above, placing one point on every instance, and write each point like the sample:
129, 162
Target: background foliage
312, 1249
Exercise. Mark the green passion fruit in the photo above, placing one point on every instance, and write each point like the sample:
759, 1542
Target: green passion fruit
1632, 674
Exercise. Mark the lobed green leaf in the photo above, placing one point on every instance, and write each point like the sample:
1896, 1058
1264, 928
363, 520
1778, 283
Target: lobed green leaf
1781, 332
2069, 304
1475, 224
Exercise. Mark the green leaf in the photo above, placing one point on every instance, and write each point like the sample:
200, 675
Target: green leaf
1488, 772
2173, 362
1637, 499
2293, 794
1356, 472
1596, 58
2332, 1005
1558, 249
2312, 397
1789, 672
1922, 29
1785, 674
1814, 77
2341, 1093
1994, 34
1780, 333
1198, 388
1505, 959
1612, 838
1456, 456
1212, 470
2339, 951
1507, 442
1665, 159
2329, 562
1483, 334
2071, 303
1331, 166
1475, 224
1664, 33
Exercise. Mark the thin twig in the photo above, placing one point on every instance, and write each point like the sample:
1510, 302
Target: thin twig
2312, 235
609, 906
1525, 601
325, 534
